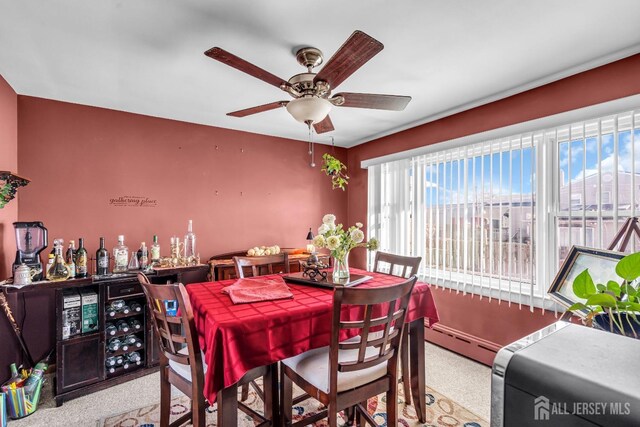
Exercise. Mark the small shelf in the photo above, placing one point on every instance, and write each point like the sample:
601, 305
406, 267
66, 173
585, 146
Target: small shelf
121, 334
119, 316
121, 352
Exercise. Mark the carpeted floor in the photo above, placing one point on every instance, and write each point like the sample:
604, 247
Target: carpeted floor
459, 379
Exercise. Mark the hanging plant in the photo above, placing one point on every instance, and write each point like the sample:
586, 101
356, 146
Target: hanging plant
336, 170
10, 186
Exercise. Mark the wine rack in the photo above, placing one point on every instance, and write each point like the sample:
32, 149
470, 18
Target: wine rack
128, 295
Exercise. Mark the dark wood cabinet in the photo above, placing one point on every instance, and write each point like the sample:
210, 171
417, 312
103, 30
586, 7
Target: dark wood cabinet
80, 362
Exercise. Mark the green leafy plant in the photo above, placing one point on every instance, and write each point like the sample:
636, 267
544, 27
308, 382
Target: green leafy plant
621, 301
336, 170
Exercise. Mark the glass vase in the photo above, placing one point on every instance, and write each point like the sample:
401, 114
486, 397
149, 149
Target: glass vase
341, 268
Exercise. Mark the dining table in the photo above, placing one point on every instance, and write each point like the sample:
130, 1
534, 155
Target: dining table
238, 338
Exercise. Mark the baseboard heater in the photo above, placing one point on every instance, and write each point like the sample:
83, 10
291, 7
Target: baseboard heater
460, 342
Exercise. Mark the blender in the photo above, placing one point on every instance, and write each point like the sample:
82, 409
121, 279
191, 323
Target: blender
31, 239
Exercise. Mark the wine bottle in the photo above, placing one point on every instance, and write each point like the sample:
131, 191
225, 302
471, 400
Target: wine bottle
190, 241
110, 361
123, 326
114, 344
155, 250
69, 259
130, 339
136, 307
102, 259
143, 256
81, 260
134, 357
120, 256
119, 360
135, 324
125, 309
111, 329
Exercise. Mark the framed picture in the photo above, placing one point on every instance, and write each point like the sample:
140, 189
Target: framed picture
600, 263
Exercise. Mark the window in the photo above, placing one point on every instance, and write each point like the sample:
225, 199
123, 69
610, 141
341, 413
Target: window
497, 217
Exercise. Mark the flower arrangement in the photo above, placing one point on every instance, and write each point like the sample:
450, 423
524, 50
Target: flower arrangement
340, 242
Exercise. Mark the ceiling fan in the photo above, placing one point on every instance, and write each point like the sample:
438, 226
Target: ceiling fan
311, 92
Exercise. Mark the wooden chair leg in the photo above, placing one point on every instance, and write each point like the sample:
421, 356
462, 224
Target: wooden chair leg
360, 420
332, 415
165, 397
198, 413
245, 393
286, 398
404, 363
392, 404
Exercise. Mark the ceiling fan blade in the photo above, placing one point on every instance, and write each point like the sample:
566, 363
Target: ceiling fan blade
374, 101
244, 66
258, 109
353, 54
324, 126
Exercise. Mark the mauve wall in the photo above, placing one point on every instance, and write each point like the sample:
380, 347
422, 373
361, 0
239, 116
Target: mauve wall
488, 320
8, 162
240, 189
8, 214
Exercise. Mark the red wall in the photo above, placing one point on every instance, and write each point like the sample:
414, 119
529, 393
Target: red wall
8, 162
488, 320
240, 189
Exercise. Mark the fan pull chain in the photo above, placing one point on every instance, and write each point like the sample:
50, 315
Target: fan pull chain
313, 149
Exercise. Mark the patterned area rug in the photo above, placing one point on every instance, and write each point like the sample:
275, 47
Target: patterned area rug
441, 412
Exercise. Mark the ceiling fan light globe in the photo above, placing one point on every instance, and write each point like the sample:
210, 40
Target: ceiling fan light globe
309, 109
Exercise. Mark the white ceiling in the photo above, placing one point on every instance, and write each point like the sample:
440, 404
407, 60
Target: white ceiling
146, 56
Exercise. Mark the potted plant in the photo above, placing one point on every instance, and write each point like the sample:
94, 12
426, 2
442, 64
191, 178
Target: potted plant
612, 306
334, 168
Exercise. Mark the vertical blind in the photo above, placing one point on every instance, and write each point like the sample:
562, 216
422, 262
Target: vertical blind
498, 217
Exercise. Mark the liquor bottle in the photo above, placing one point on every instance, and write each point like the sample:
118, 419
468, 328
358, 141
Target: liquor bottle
135, 307
70, 257
114, 344
155, 250
52, 258
120, 256
111, 329
59, 270
81, 260
102, 259
125, 309
190, 241
123, 326
133, 262
36, 375
143, 256
134, 357
135, 324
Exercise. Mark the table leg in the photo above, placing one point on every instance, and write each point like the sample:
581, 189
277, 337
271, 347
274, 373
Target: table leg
416, 362
271, 401
228, 406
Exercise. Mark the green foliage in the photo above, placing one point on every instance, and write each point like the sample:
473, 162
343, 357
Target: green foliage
336, 170
619, 300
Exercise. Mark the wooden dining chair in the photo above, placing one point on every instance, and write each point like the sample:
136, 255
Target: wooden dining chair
181, 359
261, 265
345, 374
400, 266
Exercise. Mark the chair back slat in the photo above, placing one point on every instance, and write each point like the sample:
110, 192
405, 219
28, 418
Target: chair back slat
379, 336
260, 265
408, 265
174, 331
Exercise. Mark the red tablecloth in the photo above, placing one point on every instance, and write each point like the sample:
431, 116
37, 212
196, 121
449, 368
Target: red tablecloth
238, 338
